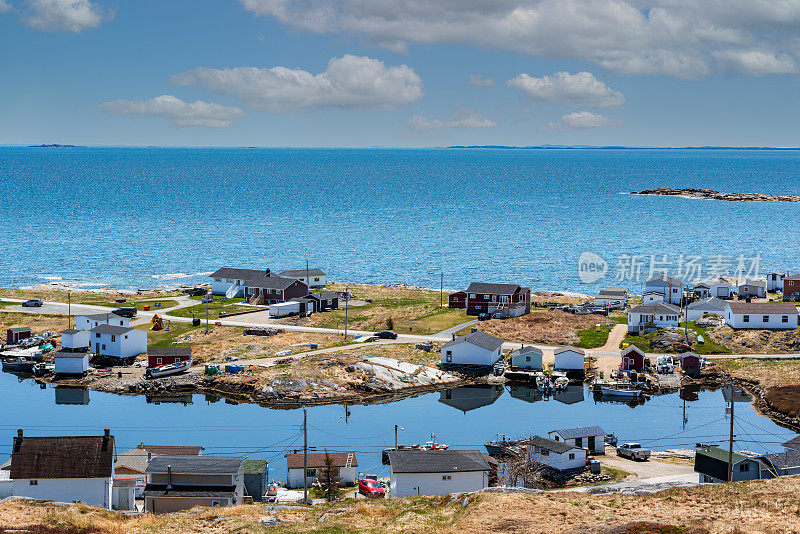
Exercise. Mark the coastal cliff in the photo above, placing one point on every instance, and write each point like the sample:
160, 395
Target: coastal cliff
711, 194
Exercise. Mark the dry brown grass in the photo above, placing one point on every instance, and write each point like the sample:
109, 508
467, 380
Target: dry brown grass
36, 322
757, 341
768, 373
755, 507
83, 297
551, 327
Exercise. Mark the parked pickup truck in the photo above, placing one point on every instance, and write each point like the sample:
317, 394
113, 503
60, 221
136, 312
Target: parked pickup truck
634, 451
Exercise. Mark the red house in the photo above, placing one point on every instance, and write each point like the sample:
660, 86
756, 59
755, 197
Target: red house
166, 355
632, 359
15, 335
509, 300
791, 287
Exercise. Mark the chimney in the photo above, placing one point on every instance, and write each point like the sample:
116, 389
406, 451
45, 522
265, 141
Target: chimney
106, 436
19, 433
169, 477
149, 456
268, 272
454, 336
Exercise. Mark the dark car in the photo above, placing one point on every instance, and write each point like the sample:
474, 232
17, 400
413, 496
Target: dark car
127, 311
386, 334
197, 291
32, 303
484, 316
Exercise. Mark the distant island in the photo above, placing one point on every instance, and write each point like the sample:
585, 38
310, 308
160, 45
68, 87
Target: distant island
52, 146
716, 195
619, 147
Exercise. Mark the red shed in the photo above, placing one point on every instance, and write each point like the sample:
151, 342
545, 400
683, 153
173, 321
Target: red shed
632, 359
457, 299
15, 335
690, 361
166, 355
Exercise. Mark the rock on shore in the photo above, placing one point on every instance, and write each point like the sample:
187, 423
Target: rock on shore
717, 195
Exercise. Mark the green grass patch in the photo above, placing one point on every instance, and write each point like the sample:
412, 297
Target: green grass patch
594, 337
214, 309
708, 347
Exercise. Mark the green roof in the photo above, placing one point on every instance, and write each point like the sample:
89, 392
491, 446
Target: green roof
255, 466
720, 454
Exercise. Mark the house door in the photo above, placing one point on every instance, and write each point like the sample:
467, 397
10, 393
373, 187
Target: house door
590, 443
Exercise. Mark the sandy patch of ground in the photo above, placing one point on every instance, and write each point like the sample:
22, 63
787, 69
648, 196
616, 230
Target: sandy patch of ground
549, 327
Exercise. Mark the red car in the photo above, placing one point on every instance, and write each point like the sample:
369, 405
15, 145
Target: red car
370, 488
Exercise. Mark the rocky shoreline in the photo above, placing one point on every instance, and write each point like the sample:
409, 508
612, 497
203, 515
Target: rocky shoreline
710, 194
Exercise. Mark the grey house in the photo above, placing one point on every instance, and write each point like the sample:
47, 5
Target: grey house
587, 437
256, 475
712, 465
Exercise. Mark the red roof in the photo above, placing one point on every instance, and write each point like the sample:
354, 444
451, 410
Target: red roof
316, 460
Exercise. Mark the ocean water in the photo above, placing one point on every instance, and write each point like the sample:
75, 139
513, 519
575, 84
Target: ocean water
464, 418
147, 217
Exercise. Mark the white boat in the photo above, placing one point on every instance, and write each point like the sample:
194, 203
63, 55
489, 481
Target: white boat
621, 390
166, 370
561, 383
543, 384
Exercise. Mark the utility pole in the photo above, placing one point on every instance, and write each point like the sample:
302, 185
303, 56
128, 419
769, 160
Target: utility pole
441, 292
308, 278
730, 439
69, 309
206, 301
346, 300
396, 428
305, 457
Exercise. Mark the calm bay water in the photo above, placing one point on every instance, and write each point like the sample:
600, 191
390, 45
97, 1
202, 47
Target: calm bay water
463, 418
133, 217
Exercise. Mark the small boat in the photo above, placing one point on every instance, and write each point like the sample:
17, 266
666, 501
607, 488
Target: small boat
18, 365
166, 370
43, 368
543, 384
561, 383
621, 390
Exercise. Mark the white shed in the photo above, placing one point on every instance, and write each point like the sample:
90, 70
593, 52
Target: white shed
71, 363
721, 289
72, 338
569, 359
589, 437
711, 305
556, 454
526, 358
87, 322
762, 315
117, 341
476, 348
442, 472
775, 281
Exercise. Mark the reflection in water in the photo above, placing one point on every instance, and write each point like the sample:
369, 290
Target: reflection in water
524, 393
571, 395
599, 398
468, 398
68, 395
184, 399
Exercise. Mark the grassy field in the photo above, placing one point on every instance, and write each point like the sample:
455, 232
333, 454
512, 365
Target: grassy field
594, 337
36, 322
214, 308
761, 507
405, 310
551, 327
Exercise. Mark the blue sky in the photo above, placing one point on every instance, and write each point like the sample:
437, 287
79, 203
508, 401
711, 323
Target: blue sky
399, 72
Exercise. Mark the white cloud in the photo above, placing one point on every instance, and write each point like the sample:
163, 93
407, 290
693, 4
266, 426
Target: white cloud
5, 7
583, 120
683, 38
63, 15
463, 121
479, 81
178, 112
349, 82
756, 63
581, 89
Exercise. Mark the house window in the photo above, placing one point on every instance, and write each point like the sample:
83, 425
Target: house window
744, 468
33, 482
579, 442
545, 452
125, 336
214, 503
766, 318
104, 346
572, 456
311, 473
785, 319
448, 357
316, 279
527, 358
486, 297
158, 361
97, 335
745, 318
447, 477
113, 338
472, 296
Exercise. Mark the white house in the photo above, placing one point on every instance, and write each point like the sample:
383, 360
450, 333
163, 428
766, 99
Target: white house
720, 288
65, 469
117, 341
701, 290
653, 315
671, 288
652, 296
569, 359
762, 315
6, 489
753, 289
123, 494
556, 454
87, 322
310, 277
476, 348
181, 482
775, 281
345, 462
75, 339
71, 363
526, 358
416, 472
588, 437
711, 305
